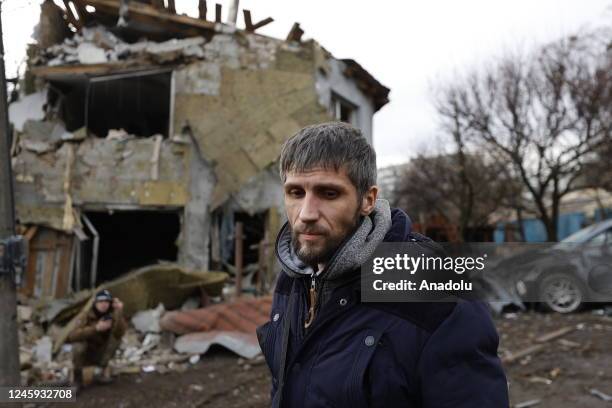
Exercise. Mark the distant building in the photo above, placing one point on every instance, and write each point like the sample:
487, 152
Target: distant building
578, 209
387, 180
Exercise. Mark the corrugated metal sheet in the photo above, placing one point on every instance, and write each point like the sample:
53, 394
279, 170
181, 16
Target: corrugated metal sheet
243, 344
231, 325
243, 315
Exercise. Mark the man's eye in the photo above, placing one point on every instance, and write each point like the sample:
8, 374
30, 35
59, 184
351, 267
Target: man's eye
296, 192
330, 194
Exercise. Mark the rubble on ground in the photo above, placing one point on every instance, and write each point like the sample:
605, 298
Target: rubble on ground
147, 321
44, 326
157, 340
169, 284
139, 352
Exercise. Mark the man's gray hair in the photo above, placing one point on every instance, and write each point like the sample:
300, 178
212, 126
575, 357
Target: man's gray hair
332, 145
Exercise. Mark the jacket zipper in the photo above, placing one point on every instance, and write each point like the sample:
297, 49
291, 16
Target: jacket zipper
313, 301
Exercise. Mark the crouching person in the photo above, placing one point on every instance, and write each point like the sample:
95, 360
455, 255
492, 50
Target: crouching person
96, 338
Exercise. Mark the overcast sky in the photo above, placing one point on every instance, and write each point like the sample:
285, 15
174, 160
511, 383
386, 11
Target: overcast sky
408, 45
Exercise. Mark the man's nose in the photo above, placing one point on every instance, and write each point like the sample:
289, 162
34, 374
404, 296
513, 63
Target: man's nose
309, 211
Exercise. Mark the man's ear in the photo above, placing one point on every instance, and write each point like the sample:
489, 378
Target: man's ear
368, 202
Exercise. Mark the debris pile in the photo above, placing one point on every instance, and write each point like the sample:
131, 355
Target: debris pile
144, 348
38, 366
97, 45
44, 326
150, 352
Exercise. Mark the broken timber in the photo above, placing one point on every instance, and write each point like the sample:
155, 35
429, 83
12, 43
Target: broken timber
148, 14
248, 22
296, 33
545, 338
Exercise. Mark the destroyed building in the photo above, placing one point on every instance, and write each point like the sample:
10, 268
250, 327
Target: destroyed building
143, 135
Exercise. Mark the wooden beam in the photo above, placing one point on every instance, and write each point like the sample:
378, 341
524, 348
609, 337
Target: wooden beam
238, 255
217, 13
72, 18
60, 71
30, 275
202, 9
248, 21
262, 23
158, 4
171, 7
295, 34
141, 11
81, 12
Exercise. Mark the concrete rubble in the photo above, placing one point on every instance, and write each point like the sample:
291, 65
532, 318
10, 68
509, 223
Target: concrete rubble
96, 45
41, 137
144, 348
30, 107
147, 321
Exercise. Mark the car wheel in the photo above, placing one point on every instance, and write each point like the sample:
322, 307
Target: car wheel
561, 292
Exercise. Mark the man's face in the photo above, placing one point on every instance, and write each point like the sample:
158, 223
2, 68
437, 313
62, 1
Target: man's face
102, 306
323, 208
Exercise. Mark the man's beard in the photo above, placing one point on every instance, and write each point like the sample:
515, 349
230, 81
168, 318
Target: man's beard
315, 256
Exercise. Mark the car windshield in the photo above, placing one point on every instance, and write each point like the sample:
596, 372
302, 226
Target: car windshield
582, 235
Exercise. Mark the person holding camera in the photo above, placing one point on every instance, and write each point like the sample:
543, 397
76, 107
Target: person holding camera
97, 336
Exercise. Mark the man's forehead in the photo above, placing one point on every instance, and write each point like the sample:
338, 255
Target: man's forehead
318, 175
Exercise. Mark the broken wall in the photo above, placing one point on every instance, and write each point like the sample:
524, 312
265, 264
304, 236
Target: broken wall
241, 111
331, 80
100, 174
236, 98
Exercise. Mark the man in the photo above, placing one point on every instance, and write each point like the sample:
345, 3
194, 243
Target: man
97, 337
324, 347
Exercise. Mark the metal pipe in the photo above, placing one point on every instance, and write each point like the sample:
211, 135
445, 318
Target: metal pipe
96, 247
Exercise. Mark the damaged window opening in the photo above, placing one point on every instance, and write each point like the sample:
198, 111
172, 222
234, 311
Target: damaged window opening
254, 229
133, 239
343, 110
139, 103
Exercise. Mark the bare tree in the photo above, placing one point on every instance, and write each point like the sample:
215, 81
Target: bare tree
546, 114
464, 188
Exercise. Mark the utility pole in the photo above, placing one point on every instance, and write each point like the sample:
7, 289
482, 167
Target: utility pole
9, 245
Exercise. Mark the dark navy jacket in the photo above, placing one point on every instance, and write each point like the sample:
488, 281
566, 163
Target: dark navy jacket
430, 355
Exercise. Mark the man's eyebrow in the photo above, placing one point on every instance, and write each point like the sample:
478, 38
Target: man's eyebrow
329, 186
318, 186
288, 186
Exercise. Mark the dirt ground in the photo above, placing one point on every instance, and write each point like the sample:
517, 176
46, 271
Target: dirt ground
564, 372
560, 376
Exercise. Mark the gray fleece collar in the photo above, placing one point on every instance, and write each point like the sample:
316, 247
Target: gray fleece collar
351, 254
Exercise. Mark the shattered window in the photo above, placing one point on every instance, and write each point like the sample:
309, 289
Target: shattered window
343, 110
138, 104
